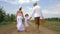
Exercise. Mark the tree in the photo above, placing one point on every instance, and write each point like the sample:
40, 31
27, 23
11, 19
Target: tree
2, 14
12, 17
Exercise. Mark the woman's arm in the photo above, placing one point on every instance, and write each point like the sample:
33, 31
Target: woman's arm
16, 17
16, 14
22, 15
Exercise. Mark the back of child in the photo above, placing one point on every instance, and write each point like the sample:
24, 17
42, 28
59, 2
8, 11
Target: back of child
26, 22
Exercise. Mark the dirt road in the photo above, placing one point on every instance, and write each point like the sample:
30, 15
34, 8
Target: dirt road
11, 29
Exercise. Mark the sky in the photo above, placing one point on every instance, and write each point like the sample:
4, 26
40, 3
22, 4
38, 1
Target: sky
50, 8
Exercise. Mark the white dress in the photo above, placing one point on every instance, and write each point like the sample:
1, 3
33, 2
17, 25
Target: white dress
26, 22
20, 25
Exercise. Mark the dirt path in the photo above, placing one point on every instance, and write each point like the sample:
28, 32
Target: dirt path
11, 29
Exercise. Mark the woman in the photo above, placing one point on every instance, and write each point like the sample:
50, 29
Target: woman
19, 17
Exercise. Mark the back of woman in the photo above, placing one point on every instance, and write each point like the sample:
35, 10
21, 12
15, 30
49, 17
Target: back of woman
20, 26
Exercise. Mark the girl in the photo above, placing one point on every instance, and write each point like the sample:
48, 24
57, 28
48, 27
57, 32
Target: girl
19, 17
26, 22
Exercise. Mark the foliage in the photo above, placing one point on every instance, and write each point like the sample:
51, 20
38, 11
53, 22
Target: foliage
53, 25
52, 19
6, 18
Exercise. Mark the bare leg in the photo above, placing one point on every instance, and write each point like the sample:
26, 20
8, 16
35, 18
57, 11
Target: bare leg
37, 19
26, 29
37, 27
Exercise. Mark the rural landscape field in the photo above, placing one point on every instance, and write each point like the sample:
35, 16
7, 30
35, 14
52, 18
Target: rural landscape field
50, 27
8, 25
50, 10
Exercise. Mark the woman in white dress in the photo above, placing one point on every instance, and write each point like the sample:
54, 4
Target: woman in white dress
19, 17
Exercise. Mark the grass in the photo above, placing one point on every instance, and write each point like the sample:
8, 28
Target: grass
5, 22
54, 25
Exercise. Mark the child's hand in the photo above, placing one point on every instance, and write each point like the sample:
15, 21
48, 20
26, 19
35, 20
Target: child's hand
30, 17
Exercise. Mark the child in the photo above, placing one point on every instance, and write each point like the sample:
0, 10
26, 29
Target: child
26, 22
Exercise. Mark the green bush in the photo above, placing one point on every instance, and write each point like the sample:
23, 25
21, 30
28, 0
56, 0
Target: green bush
6, 18
6, 22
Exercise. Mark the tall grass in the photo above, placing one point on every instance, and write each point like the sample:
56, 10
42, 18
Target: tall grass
54, 25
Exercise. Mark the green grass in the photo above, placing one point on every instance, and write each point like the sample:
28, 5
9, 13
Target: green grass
54, 25
5, 22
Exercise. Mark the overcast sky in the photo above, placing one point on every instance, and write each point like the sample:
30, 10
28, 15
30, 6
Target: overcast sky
50, 8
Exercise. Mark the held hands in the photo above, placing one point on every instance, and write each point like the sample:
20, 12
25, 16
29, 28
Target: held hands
30, 17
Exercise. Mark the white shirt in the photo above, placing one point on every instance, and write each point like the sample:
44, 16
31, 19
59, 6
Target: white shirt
37, 11
26, 21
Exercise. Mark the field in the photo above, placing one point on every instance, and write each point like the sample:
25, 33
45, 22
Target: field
54, 25
50, 27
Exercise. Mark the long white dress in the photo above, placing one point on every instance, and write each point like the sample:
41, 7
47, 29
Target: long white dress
20, 25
